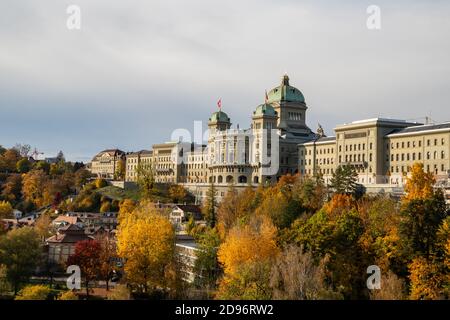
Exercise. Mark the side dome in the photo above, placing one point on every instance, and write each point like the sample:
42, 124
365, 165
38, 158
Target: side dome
285, 92
219, 116
264, 110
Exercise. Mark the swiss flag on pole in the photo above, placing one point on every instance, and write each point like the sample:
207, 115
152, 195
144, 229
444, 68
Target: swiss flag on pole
219, 103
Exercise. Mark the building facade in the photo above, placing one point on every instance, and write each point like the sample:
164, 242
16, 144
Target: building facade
278, 142
105, 163
381, 150
134, 160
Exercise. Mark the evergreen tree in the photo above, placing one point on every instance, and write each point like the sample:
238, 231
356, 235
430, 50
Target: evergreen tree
209, 208
344, 180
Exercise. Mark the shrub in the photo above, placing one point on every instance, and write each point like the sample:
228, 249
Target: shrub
68, 295
34, 292
100, 183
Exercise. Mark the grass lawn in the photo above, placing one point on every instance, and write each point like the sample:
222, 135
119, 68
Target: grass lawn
116, 193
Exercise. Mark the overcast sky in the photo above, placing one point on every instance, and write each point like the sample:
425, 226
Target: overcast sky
137, 70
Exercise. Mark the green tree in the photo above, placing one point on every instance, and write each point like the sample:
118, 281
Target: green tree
20, 252
42, 165
23, 165
344, 180
206, 266
421, 220
209, 208
145, 180
81, 177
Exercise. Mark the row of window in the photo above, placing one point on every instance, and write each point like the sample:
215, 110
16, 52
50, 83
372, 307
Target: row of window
401, 169
412, 156
408, 144
294, 116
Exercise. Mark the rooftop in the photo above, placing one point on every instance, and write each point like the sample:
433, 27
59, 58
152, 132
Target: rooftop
422, 128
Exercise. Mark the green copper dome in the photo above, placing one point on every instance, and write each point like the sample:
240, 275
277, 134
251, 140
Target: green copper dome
265, 110
219, 116
285, 92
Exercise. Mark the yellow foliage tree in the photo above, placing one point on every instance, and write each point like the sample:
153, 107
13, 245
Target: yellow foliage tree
233, 207
252, 242
6, 210
177, 193
246, 255
145, 241
126, 207
419, 185
427, 282
32, 187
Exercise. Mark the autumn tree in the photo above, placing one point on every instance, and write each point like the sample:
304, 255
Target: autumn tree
20, 252
246, 252
145, 179
32, 187
8, 160
427, 281
295, 275
344, 180
43, 226
177, 193
120, 170
108, 254
6, 210
234, 207
126, 207
311, 193
419, 185
145, 241
392, 288
100, 183
81, 177
209, 207
87, 256
12, 189
281, 203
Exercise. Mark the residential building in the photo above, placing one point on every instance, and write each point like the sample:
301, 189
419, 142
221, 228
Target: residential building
62, 245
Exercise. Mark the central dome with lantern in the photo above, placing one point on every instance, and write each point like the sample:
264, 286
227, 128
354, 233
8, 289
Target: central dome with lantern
285, 92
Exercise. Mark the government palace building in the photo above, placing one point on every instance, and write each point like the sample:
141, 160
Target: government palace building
279, 141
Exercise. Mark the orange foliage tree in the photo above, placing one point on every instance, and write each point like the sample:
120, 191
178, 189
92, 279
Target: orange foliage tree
419, 185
